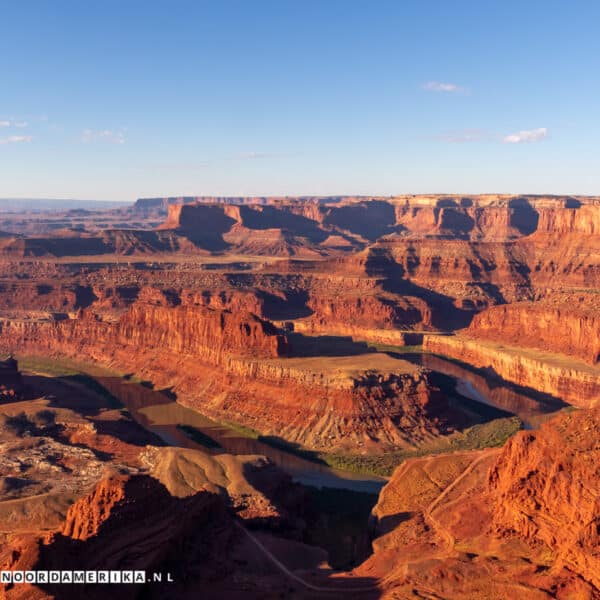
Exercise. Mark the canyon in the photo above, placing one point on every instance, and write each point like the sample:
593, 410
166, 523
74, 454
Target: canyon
521, 521
185, 369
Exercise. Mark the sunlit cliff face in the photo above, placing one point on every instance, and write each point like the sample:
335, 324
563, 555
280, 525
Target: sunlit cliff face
407, 337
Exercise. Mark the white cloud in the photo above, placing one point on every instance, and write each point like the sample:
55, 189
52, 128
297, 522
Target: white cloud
461, 136
527, 135
440, 86
107, 136
15, 139
19, 124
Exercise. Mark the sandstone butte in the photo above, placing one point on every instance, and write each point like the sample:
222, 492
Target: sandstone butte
224, 363
257, 311
520, 522
516, 522
550, 346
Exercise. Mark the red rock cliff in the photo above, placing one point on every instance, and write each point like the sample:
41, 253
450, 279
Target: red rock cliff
193, 331
570, 328
228, 366
565, 378
547, 490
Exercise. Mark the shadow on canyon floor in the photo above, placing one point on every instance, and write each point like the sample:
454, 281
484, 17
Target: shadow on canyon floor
325, 345
335, 520
390, 522
94, 399
292, 306
205, 549
444, 313
502, 393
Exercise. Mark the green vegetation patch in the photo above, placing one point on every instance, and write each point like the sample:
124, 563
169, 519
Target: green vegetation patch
396, 349
71, 373
484, 435
492, 434
199, 437
241, 429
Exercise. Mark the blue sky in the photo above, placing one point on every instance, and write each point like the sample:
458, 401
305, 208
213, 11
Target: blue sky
117, 100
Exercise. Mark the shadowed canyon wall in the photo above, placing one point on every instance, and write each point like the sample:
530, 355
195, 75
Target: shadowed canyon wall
233, 367
556, 375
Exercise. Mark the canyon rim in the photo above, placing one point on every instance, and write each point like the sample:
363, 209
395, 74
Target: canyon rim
315, 397
299, 300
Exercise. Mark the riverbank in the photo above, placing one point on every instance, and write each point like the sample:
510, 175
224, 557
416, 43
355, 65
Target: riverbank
163, 416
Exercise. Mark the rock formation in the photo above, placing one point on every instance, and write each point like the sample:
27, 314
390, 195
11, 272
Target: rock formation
556, 375
520, 522
233, 367
287, 316
570, 327
546, 489
11, 381
198, 332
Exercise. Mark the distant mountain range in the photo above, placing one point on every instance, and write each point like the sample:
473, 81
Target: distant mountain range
43, 204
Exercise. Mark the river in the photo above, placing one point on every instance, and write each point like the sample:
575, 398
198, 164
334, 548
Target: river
159, 413
531, 407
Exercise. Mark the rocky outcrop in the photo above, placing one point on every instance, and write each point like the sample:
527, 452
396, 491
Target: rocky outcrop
347, 314
209, 334
112, 241
473, 218
476, 274
195, 544
12, 386
557, 375
546, 487
542, 345
154, 204
571, 327
584, 220
206, 334
287, 227
85, 517
520, 522
388, 336
252, 229
455, 255
325, 404
231, 367
134, 523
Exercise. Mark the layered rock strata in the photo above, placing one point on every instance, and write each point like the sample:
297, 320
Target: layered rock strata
557, 375
546, 488
520, 522
233, 367
205, 334
571, 327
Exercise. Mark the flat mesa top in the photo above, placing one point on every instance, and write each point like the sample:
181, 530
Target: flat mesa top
547, 358
347, 367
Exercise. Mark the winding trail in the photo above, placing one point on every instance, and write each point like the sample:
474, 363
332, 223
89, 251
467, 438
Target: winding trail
445, 533
428, 512
297, 578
